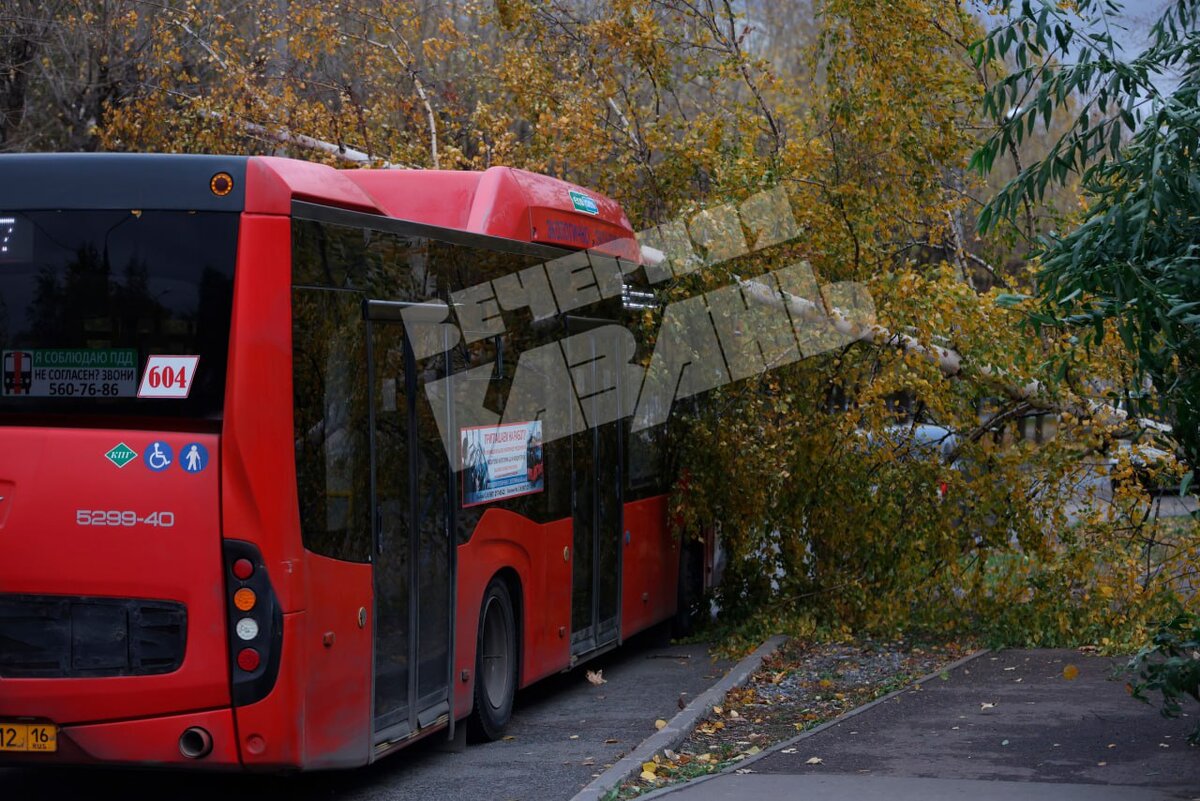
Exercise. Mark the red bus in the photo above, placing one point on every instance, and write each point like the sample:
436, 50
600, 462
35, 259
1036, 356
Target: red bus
237, 529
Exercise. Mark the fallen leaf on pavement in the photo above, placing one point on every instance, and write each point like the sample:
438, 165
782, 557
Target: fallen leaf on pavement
596, 677
648, 776
660, 724
813, 761
1070, 672
986, 705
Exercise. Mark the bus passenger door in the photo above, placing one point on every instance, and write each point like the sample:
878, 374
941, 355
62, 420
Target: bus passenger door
413, 569
596, 496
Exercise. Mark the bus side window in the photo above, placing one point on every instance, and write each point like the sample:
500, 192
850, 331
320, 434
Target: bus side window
644, 451
331, 423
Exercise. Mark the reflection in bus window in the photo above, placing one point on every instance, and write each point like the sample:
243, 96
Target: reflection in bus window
332, 446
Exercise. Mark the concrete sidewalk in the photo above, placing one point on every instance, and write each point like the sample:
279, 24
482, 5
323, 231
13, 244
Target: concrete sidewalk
1003, 726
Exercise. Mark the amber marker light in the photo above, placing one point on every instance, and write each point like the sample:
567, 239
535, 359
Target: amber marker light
221, 184
244, 599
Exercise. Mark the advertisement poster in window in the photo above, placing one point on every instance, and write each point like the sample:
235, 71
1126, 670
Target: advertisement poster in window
501, 462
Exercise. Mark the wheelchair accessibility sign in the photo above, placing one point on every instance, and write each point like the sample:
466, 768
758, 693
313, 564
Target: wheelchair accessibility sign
158, 456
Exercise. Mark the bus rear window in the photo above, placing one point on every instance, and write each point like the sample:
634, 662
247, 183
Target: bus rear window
115, 312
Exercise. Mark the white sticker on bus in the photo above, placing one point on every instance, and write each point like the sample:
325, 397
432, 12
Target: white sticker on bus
168, 377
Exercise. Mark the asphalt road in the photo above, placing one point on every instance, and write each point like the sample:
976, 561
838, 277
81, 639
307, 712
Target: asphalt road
559, 731
1010, 717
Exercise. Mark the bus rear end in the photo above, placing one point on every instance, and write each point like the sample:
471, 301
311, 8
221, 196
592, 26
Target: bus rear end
117, 627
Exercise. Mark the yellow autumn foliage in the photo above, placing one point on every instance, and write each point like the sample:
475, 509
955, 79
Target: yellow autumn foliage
865, 112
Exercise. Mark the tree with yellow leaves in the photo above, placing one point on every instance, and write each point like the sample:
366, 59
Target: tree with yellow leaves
864, 113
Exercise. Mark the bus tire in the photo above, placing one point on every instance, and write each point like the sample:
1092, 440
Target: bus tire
495, 664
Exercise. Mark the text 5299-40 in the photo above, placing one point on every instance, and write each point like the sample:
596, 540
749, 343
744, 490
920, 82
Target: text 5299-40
118, 517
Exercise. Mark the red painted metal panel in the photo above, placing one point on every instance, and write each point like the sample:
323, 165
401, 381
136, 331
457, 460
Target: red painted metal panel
337, 663
578, 231
502, 202
318, 713
266, 190
258, 476
543, 191
271, 732
500, 207
155, 741
55, 473
535, 553
433, 197
304, 180
547, 609
650, 566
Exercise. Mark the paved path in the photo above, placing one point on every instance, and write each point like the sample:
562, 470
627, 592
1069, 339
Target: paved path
1004, 726
540, 763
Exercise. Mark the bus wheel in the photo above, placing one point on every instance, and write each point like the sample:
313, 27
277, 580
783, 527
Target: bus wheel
495, 664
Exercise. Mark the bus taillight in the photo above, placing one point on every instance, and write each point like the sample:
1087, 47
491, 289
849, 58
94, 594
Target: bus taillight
248, 659
255, 623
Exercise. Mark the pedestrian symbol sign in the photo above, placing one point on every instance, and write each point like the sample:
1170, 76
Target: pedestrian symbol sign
193, 458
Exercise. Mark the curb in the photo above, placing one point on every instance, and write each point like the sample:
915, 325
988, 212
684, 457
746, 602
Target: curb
679, 727
842, 718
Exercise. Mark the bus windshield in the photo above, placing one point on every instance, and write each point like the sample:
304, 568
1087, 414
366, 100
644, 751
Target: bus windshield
115, 312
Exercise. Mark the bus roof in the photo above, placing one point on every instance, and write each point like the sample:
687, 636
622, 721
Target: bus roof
500, 201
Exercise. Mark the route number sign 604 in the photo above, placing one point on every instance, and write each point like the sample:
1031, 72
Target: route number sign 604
116, 517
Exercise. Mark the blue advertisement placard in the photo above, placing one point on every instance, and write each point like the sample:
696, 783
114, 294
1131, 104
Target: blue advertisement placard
502, 461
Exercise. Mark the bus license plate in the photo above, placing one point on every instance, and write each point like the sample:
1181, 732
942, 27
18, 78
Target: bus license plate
36, 737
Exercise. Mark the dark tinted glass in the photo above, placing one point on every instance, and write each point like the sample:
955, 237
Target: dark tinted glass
86, 297
332, 428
